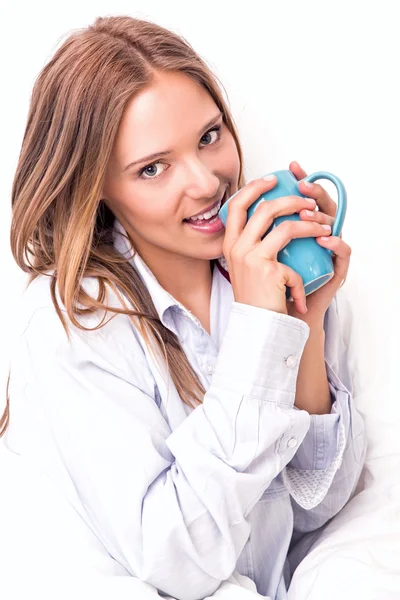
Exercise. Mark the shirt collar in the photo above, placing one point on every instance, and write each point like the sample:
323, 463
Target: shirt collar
162, 299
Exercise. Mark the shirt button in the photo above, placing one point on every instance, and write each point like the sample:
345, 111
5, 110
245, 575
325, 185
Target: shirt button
209, 369
291, 361
292, 443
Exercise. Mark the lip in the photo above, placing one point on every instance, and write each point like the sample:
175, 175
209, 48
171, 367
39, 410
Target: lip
209, 208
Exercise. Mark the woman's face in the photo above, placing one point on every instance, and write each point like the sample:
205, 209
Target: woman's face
173, 158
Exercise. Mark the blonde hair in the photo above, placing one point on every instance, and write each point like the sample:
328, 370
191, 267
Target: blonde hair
59, 222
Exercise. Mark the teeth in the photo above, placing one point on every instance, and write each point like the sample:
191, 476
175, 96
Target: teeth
208, 214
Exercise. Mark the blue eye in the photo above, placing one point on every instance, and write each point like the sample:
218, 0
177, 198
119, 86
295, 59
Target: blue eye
151, 171
211, 136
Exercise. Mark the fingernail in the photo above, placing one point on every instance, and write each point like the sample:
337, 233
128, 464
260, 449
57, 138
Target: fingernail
327, 227
309, 213
311, 201
269, 177
324, 238
307, 184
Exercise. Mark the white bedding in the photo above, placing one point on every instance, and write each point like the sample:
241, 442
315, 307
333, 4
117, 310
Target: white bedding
358, 554
46, 548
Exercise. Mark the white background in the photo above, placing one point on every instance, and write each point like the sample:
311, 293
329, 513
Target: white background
316, 82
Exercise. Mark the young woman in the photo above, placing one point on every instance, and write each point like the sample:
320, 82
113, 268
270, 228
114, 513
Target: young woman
198, 422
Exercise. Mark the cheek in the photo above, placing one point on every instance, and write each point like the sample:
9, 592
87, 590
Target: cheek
229, 160
145, 205
131, 199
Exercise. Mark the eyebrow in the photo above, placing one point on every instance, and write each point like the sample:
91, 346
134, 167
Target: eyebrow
151, 157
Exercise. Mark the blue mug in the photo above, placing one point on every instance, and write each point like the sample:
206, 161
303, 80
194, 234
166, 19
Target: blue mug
304, 255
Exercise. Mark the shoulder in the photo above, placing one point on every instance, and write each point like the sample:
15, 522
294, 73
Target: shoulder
108, 339
36, 303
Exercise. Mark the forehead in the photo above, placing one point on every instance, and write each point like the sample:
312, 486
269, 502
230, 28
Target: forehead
163, 114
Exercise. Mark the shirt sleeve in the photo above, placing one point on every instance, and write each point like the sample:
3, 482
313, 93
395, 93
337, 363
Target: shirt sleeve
325, 470
170, 506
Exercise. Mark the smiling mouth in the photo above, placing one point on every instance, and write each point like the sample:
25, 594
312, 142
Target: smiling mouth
196, 219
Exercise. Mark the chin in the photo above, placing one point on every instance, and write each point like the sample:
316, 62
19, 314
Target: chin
206, 249
214, 252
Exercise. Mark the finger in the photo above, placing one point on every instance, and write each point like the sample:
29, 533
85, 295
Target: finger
237, 209
342, 257
266, 212
316, 216
295, 283
281, 235
323, 199
297, 171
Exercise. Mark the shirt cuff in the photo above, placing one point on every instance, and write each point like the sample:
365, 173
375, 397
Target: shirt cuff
310, 473
260, 353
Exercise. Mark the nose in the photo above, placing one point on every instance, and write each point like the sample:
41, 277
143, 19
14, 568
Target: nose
201, 182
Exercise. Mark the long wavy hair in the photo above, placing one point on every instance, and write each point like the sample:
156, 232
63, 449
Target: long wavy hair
60, 226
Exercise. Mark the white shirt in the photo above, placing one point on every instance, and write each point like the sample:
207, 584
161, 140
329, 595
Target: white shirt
182, 497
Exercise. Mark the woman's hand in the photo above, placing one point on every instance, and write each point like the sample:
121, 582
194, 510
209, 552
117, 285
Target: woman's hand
318, 302
256, 276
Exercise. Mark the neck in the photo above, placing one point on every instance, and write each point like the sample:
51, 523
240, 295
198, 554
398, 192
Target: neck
188, 280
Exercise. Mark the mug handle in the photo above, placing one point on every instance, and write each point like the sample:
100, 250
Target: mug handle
342, 198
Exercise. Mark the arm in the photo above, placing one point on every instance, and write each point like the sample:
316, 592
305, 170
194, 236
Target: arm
171, 507
331, 456
312, 390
